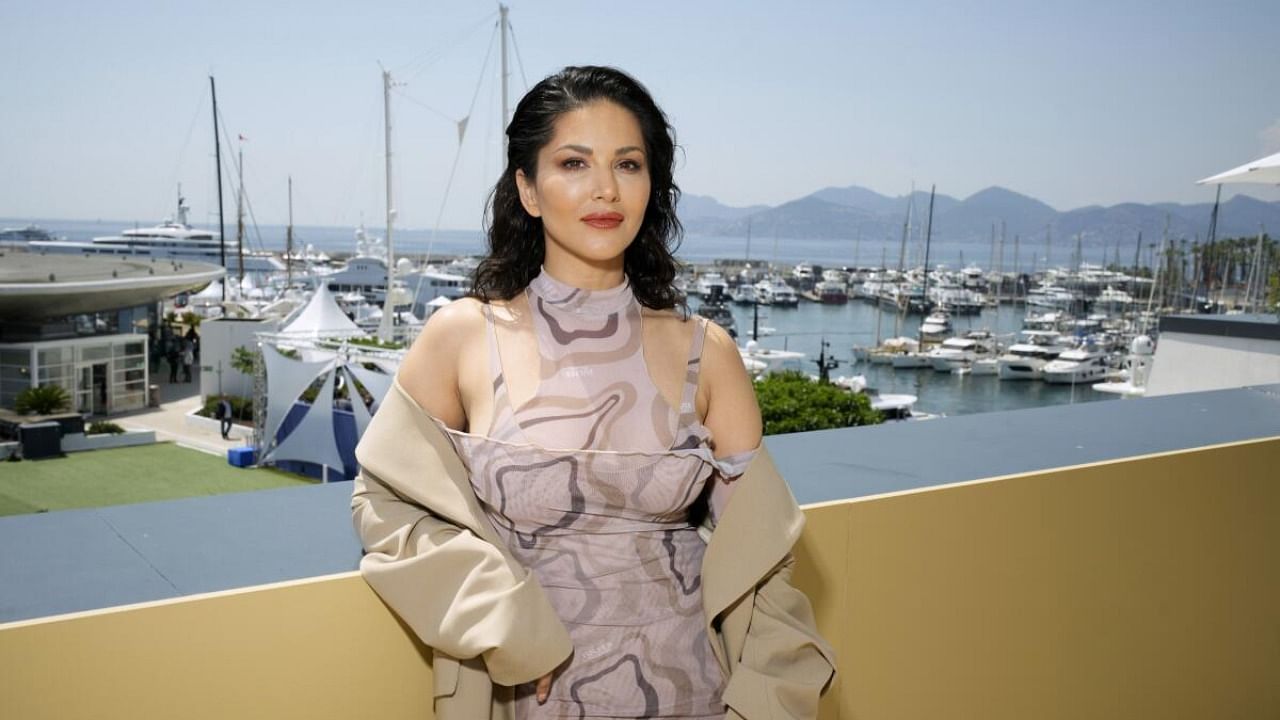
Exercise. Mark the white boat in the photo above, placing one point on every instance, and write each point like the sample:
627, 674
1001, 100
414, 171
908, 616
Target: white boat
1085, 364
1052, 297
761, 360
884, 353
170, 240
707, 282
1111, 300
776, 292
961, 352
1025, 360
936, 326
911, 360
743, 294
897, 407
985, 366
831, 292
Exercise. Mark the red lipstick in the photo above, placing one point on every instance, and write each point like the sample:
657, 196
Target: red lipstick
604, 220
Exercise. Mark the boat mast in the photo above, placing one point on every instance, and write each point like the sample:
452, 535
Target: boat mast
902, 263
502, 22
217, 158
385, 325
928, 235
240, 219
288, 241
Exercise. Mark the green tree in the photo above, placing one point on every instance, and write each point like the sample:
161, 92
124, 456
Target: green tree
791, 402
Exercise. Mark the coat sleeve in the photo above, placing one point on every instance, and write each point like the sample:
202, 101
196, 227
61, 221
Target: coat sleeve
460, 594
784, 666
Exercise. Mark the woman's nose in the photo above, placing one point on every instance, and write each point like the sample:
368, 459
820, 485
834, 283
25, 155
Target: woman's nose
606, 185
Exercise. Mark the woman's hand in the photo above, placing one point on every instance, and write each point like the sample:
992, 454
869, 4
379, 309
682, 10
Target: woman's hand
543, 688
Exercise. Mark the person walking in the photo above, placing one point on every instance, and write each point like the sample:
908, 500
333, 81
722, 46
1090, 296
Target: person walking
223, 413
188, 358
172, 356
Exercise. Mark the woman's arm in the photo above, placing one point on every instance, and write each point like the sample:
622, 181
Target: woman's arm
459, 593
726, 397
783, 665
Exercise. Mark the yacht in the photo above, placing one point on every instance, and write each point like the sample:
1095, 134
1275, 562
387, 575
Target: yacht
831, 292
1025, 360
707, 284
761, 361
1085, 364
1111, 300
961, 352
744, 294
169, 240
1051, 297
24, 235
776, 292
936, 325
714, 309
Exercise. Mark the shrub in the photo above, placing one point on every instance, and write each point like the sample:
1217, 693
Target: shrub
241, 407
791, 402
102, 427
43, 400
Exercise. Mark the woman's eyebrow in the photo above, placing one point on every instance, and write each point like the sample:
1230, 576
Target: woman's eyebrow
588, 151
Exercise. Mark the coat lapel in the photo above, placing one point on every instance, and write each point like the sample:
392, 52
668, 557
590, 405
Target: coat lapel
405, 449
759, 526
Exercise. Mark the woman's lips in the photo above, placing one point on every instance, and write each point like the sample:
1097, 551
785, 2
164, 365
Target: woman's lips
604, 221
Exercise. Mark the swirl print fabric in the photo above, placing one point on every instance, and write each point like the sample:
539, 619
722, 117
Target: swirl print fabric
590, 484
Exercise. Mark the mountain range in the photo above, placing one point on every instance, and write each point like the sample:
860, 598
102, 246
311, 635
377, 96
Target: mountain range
849, 212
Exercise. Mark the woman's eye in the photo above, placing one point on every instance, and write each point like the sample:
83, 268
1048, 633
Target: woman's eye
630, 165
573, 164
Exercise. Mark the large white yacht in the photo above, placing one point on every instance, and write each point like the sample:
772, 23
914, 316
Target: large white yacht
1025, 360
169, 240
1084, 364
961, 352
776, 292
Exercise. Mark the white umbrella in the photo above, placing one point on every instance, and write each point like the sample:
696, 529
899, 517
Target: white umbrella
1265, 171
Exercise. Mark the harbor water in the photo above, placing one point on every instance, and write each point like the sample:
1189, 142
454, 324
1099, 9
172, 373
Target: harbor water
805, 327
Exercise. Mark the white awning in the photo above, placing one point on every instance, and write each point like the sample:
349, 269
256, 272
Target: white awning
1265, 171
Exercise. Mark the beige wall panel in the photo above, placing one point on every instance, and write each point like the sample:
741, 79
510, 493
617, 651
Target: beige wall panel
1145, 588
1142, 588
324, 649
821, 557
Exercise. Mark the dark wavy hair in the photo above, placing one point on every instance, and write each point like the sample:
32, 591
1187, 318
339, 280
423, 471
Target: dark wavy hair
516, 248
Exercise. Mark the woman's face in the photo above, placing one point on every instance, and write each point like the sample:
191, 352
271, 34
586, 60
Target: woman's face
591, 187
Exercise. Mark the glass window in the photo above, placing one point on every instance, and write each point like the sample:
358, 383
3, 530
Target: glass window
55, 356
95, 352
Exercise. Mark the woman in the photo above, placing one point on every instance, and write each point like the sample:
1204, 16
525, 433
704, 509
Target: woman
556, 565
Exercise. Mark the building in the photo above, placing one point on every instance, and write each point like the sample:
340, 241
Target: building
86, 324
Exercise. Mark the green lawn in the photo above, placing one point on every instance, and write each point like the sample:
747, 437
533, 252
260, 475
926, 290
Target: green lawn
96, 478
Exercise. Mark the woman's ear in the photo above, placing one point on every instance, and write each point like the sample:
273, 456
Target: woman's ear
528, 195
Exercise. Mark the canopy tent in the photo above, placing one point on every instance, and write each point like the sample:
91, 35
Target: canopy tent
1265, 171
322, 318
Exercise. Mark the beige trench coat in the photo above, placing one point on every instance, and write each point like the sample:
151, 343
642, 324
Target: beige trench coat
435, 560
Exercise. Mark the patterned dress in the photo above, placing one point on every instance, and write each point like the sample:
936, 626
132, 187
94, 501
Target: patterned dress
590, 484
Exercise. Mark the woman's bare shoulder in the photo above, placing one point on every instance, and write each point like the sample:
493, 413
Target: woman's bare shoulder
429, 371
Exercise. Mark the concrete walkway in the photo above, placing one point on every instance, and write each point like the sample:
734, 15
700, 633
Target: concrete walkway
169, 421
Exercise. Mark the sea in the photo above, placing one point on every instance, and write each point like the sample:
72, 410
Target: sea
804, 328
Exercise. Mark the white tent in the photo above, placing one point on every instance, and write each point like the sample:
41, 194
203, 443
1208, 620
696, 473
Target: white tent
322, 318
1265, 171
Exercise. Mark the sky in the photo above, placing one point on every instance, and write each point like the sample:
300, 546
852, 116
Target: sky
106, 105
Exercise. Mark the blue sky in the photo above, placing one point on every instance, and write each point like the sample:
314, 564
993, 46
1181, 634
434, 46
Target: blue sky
106, 105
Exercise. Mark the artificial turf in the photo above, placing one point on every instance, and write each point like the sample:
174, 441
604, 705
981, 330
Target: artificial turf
119, 476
